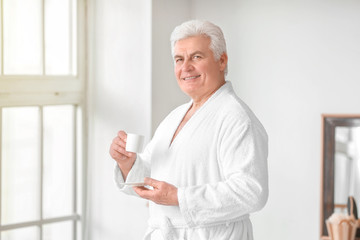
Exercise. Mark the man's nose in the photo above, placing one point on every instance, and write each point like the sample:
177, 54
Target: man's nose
187, 66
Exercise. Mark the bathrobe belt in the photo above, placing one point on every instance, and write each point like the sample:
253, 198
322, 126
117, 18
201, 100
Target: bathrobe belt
167, 226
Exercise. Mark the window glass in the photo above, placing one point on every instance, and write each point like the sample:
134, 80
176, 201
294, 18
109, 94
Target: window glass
40, 146
58, 231
79, 232
20, 170
0, 44
74, 37
79, 143
57, 37
29, 233
22, 37
58, 160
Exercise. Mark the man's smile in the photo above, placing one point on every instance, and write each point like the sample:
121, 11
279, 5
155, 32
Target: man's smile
192, 77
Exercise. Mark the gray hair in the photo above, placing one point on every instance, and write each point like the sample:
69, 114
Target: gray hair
198, 27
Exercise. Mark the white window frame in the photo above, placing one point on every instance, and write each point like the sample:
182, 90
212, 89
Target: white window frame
44, 90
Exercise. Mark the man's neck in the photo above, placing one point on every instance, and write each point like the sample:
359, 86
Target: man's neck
199, 101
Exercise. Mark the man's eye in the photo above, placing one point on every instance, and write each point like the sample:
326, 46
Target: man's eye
197, 56
178, 60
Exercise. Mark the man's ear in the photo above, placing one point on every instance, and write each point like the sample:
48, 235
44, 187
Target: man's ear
223, 61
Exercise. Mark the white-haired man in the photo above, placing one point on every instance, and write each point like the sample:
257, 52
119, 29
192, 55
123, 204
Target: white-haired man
207, 161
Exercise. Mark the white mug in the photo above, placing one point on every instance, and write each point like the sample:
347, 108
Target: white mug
134, 143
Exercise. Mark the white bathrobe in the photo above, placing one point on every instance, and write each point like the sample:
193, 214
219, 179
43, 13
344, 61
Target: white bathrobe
218, 162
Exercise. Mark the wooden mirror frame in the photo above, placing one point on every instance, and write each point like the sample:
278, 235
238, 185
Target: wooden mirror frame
329, 123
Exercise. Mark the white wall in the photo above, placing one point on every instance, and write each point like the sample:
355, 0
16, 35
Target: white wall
119, 98
289, 60
166, 95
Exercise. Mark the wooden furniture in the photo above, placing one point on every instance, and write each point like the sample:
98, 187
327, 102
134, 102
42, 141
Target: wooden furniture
329, 123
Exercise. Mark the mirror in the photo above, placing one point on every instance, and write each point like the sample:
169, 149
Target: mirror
340, 166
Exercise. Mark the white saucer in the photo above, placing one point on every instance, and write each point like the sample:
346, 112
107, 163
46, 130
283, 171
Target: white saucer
134, 184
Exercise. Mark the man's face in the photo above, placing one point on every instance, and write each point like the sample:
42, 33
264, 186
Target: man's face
197, 72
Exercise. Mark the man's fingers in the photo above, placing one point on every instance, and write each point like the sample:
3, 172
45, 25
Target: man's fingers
143, 192
152, 182
117, 143
115, 154
122, 135
120, 142
121, 149
162, 192
118, 151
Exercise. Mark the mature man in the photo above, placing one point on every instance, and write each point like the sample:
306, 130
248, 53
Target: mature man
208, 158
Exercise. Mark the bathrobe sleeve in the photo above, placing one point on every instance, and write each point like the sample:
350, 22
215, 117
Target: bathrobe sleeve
242, 150
138, 172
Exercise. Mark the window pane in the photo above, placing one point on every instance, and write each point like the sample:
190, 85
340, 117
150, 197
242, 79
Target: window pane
20, 172
22, 37
79, 157
78, 230
74, 37
0, 44
29, 233
58, 231
58, 160
57, 37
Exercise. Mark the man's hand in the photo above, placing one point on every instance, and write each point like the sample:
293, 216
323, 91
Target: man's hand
124, 159
163, 192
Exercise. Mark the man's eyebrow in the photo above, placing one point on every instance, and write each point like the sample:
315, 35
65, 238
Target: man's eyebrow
192, 54
197, 52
